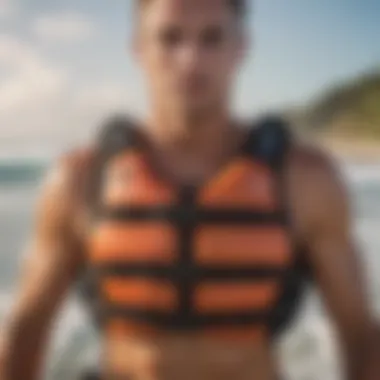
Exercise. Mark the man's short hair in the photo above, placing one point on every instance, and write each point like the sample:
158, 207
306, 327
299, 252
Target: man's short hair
238, 6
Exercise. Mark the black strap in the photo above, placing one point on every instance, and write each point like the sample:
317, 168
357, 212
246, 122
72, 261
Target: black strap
174, 273
176, 214
187, 223
176, 320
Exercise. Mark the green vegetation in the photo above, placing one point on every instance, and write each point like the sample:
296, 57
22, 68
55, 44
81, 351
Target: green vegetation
351, 108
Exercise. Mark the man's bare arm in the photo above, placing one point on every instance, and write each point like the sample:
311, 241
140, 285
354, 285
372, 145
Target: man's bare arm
325, 219
53, 259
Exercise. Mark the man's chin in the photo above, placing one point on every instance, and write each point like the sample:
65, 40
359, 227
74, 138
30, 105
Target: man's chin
195, 105
197, 111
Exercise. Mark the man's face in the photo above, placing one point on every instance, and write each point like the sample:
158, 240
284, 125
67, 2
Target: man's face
189, 50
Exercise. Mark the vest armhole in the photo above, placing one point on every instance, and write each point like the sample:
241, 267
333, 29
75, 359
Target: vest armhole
270, 142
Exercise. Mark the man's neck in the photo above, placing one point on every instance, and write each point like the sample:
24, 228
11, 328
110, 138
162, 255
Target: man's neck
189, 152
189, 132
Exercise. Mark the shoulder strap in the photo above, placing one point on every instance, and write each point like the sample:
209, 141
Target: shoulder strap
269, 141
116, 134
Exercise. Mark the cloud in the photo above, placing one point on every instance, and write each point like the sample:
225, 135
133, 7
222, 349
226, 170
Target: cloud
93, 102
29, 91
64, 27
102, 96
30, 78
42, 107
7, 9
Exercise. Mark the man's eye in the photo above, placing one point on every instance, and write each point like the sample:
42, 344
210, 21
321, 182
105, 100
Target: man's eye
212, 37
170, 37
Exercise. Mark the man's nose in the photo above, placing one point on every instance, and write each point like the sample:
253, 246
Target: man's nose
189, 57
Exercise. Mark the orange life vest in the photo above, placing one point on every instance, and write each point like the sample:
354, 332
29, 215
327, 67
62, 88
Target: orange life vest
219, 260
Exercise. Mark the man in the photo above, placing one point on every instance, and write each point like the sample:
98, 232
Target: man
185, 229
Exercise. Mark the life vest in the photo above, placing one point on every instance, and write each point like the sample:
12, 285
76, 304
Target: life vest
220, 260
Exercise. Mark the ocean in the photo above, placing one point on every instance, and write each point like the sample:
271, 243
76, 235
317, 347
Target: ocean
306, 352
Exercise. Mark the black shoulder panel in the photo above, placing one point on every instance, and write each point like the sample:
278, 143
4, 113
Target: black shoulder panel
116, 134
269, 140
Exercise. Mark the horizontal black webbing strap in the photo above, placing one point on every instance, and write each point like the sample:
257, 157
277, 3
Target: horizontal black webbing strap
172, 320
195, 273
177, 214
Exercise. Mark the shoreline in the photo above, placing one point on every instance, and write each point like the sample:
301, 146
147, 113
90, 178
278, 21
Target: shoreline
356, 151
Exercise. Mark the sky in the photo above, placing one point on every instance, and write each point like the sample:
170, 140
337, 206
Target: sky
64, 64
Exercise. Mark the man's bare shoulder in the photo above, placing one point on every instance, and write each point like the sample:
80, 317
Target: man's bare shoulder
317, 187
312, 162
63, 191
77, 162
71, 170
314, 168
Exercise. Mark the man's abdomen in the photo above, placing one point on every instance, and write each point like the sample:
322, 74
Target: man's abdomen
181, 357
